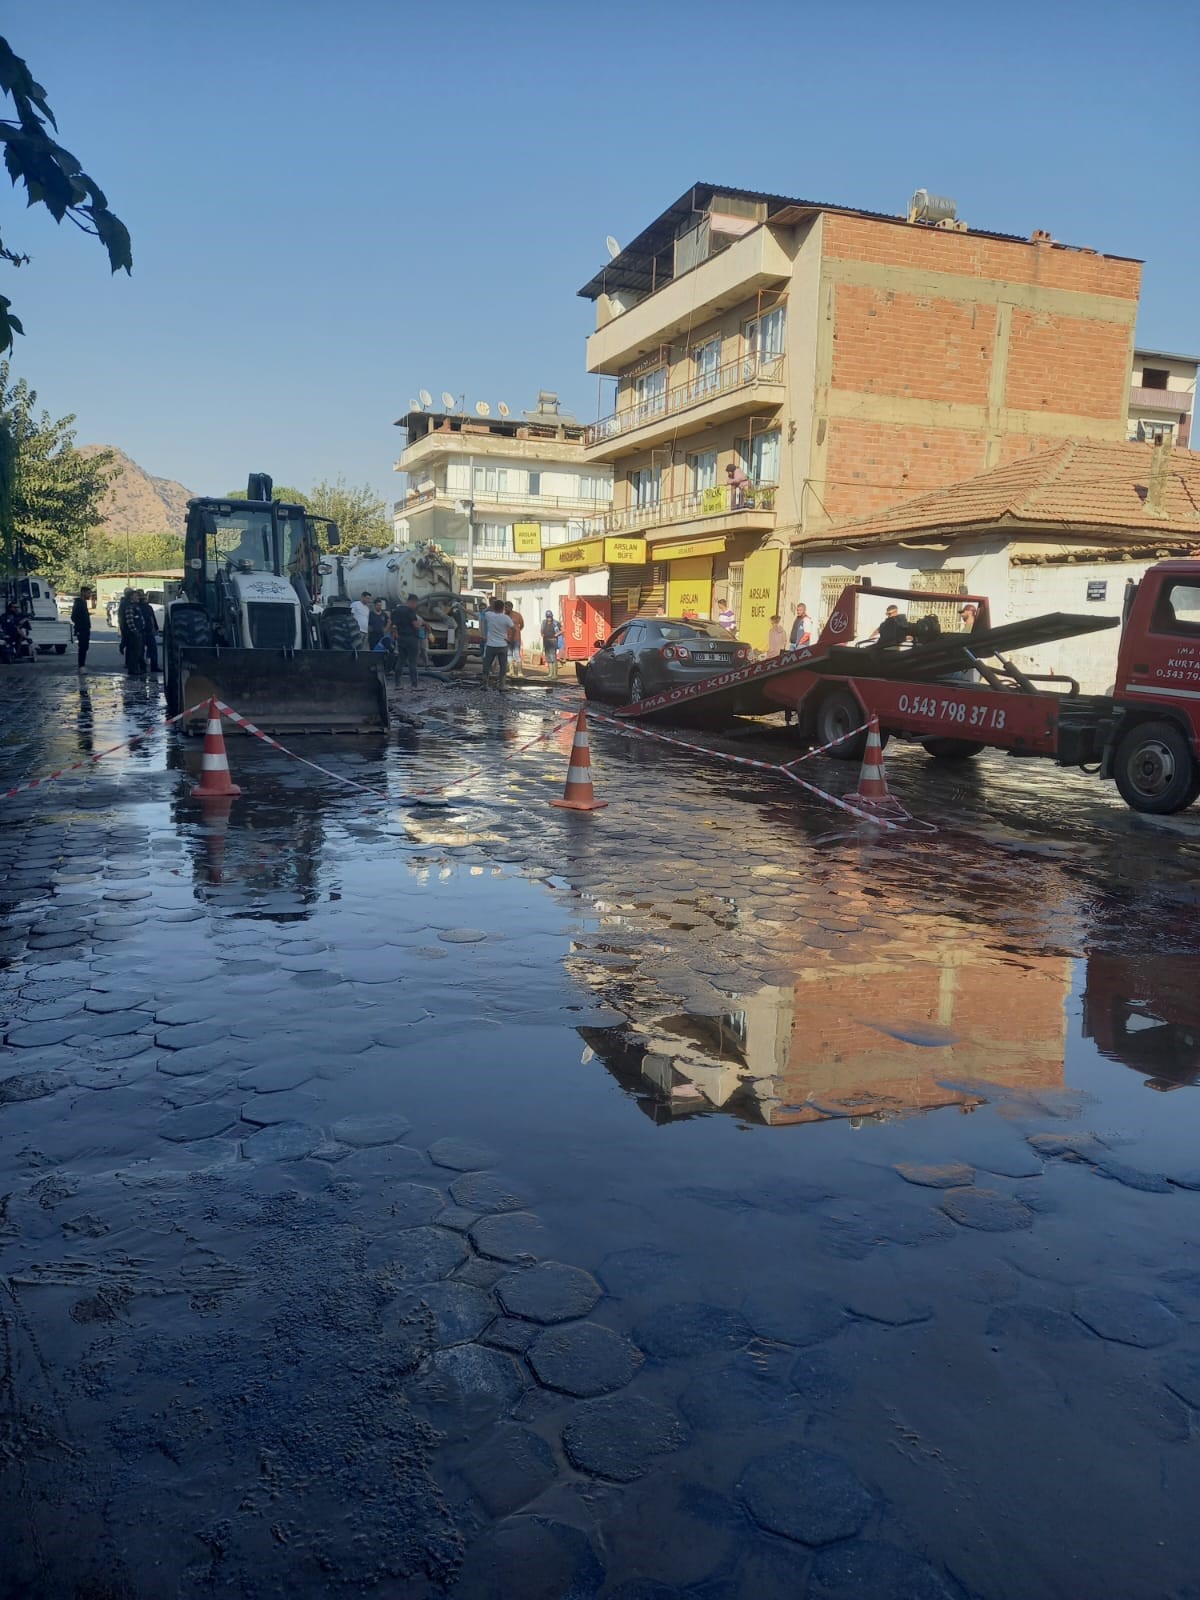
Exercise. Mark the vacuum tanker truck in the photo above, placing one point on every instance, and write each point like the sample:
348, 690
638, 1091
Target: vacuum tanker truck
391, 576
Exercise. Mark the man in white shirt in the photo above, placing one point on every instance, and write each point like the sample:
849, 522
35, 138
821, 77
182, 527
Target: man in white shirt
498, 636
361, 611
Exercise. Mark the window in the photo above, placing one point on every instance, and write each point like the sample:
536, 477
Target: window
485, 480
594, 489
1177, 610
1155, 377
702, 471
492, 536
760, 457
535, 483
645, 486
458, 477
650, 393
831, 592
952, 580
766, 334
1152, 432
706, 367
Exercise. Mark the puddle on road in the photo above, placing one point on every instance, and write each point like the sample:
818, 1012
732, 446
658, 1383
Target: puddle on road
497, 1201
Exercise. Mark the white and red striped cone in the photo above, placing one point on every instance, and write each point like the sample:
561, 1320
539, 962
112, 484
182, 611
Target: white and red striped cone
215, 782
216, 811
578, 794
872, 793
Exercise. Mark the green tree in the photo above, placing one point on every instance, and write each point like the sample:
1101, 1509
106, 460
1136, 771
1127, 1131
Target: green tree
281, 491
54, 493
135, 552
52, 177
360, 514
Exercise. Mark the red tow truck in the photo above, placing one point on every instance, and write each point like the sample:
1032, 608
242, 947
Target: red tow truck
959, 693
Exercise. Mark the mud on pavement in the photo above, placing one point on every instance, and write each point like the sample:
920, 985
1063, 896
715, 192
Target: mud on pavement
703, 1197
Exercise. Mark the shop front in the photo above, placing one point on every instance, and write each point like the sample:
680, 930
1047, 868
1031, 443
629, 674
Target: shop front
703, 576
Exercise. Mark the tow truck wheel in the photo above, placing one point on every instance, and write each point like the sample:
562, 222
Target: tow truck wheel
950, 749
1155, 770
838, 712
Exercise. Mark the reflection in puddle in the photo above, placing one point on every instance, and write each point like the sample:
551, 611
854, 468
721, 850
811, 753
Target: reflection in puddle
1144, 1011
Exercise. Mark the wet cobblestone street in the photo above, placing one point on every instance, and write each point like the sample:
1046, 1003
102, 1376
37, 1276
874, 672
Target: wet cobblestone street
705, 1197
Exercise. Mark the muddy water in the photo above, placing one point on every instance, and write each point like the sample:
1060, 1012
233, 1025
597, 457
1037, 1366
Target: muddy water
701, 1197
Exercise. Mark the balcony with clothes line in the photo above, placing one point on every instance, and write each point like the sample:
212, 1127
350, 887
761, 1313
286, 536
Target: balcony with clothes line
721, 393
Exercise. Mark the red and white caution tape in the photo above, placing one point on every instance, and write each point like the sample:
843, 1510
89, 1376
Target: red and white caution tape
113, 749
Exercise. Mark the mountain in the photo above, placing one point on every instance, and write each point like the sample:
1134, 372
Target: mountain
136, 502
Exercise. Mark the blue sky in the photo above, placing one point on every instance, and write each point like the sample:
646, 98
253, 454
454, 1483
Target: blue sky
335, 206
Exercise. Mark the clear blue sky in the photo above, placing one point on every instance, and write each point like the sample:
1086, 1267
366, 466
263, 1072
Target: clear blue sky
333, 206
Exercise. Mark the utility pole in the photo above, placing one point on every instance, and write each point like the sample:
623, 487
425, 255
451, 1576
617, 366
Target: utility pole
466, 508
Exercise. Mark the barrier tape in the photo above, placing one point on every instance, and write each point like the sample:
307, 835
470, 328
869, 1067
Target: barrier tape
126, 744
890, 826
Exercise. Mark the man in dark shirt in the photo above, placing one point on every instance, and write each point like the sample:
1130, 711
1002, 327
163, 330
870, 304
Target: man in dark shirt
149, 627
16, 632
408, 637
81, 621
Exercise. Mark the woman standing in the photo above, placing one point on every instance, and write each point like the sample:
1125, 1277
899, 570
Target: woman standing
81, 621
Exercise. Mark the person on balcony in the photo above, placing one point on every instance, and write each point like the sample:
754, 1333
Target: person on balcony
739, 486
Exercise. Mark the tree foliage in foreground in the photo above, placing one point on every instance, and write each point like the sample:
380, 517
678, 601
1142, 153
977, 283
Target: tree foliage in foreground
50, 494
51, 176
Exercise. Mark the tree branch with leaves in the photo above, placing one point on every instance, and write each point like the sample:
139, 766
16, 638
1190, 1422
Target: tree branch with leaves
52, 177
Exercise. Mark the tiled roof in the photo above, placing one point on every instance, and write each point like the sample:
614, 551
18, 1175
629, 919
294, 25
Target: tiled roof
1079, 486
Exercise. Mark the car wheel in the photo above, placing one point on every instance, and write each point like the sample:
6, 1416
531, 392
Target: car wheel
1155, 770
837, 714
637, 688
950, 749
585, 679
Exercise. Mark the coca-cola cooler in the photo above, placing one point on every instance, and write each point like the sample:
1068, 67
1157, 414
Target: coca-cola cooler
587, 619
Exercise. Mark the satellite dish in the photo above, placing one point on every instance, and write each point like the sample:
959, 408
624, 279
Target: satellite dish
447, 400
503, 409
415, 405
482, 409
614, 249
426, 397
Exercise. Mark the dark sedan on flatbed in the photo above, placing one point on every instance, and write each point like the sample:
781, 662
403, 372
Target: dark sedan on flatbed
649, 654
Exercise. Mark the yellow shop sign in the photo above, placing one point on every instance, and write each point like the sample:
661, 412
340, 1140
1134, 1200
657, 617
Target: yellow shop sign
625, 552
693, 547
527, 537
583, 553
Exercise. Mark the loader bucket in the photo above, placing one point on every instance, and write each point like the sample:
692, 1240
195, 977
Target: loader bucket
284, 691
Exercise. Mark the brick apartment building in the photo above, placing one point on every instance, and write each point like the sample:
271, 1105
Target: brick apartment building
842, 360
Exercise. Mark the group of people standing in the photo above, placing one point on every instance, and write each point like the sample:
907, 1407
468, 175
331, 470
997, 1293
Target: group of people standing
138, 628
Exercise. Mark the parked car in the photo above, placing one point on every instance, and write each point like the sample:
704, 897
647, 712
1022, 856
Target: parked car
649, 654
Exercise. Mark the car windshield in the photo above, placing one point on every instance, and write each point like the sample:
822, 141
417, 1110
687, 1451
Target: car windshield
243, 538
693, 630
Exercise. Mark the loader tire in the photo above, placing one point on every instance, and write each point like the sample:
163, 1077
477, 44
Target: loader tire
1155, 770
339, 631
838, 712
183, 627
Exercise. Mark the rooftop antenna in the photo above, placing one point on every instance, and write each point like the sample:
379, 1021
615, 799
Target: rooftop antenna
614, 249
448, 400
482, 409
503, 409
425, 397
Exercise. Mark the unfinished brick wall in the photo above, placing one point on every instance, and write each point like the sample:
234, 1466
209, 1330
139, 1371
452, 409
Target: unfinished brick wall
870, 465
1067, 364
889, 342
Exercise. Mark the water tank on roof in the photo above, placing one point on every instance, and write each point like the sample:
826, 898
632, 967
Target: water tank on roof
926, 207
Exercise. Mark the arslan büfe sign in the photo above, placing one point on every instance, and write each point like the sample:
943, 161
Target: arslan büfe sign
595, 553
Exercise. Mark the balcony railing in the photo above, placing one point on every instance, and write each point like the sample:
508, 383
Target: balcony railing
705, 386
720, 501
1161, 399
499, 497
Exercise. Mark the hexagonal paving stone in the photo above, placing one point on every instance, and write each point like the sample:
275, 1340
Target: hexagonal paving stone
462, 935
511, 1468
619, 1437
950, 1175
460, 1156
887, 1303
510, 1333
186, 1034
200, 1058
584, 1359
28, 1086
511, 1236
116, 1000
549, 1292
467, 1387
195, 1122
735, 1397
458, 1312
184, 1011
409, 1205
367, 1131
630, 1272
690, 1327
986, 1210
288, 1141
805, 1495
532, 1557
860, 1568
34, 1035
423, 1255
274, 1076
794, 1314
1126, 1316
1181, 1374
486, 1191
264, 1110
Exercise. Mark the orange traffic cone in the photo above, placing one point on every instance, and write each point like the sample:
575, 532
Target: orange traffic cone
216, 826
215, 782
578, 794
872, 793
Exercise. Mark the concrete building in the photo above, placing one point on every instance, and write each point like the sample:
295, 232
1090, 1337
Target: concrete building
1162, 396
498, 487
1064, 530
842, 361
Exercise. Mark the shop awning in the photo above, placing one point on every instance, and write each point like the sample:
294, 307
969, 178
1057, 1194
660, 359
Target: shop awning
689, 547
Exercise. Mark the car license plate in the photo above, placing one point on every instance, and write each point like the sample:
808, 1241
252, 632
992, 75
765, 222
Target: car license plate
700, 655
